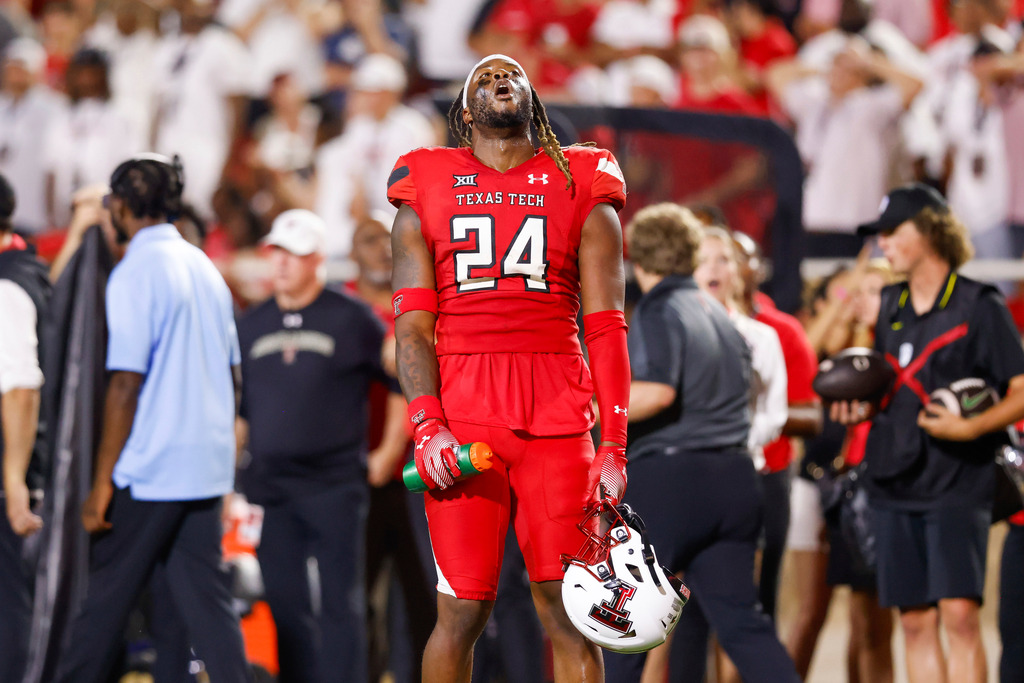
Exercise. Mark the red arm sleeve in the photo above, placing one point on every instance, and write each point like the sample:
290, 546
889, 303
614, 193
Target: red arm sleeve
605, 336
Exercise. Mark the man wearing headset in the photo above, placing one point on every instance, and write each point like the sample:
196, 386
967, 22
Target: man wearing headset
167, 451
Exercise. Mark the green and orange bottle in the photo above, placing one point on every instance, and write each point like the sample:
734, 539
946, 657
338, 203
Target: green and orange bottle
473, 458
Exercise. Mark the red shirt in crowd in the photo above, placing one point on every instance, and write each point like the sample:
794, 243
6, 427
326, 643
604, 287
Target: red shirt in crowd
757, 52
543, 28
801, 367
730, 100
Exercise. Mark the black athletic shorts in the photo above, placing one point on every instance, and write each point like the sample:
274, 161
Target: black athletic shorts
924, 557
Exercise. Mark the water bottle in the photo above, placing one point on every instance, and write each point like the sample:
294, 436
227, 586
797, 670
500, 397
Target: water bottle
473, 458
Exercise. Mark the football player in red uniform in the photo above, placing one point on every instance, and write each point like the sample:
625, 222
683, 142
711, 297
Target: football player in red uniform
496, 246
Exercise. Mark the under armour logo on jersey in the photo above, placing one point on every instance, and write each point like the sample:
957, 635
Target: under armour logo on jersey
465, 180
423, 442
542, 178
619, 410
292, 320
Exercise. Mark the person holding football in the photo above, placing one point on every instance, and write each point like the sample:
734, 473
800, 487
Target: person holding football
929, 472
497, 244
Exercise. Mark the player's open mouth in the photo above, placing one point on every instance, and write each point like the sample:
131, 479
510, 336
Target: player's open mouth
503, 91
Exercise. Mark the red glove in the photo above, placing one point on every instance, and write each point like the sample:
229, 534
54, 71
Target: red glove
607, 477
436, 454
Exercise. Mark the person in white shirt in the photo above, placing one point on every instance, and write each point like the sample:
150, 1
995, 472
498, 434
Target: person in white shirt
718, 274
201, 76
24, 292
979, 177
89, 136
352, 170
280, 39
26, 109
845, 129
126, 33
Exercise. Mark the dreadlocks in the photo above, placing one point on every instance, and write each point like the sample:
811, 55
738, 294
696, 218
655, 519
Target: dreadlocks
463, 133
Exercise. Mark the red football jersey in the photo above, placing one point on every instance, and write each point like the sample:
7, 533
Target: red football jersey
506, 251
505, 245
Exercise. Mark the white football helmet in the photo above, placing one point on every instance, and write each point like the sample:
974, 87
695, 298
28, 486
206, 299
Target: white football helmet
614, 591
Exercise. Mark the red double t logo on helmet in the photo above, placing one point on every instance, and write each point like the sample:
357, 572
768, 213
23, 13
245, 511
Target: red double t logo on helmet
613, 613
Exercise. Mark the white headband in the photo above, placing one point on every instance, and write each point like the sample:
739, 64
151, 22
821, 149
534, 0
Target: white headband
465, 88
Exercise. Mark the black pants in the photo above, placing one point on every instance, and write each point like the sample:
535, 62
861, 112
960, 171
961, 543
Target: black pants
326, 642
776, 523
395, 537
703, 513
15, 602
180, 539
1011, 607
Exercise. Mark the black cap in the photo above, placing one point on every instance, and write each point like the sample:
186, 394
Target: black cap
901, 205
7, 202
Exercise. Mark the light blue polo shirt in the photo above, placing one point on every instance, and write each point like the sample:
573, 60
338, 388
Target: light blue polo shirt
170, 318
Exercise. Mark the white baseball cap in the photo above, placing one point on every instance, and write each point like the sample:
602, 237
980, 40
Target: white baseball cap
27, 51
379, 73
702, 30
647, 71
298, 231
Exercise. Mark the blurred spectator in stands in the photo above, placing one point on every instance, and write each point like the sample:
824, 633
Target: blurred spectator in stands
61, 31
912, 18
977, 167
89, 136
859, 18
352, 170
442, 37
1003, 75
763, 39
919, 143
707, 61
15, 21
845, 126
345, 46
283, 37
550, 38
652, 83
285, 144
231, 244
201, 74
975, 20
627, 28
126, 32
27, 108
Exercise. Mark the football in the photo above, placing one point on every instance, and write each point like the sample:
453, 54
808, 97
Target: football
855, 374
966, 397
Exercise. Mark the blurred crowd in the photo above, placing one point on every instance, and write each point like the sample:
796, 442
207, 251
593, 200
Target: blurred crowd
279, 104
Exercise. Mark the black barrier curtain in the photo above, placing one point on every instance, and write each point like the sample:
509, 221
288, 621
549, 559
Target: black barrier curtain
745, 169
76, 344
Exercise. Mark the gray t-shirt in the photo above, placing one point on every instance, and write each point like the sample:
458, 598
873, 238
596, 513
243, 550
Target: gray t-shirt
681, 337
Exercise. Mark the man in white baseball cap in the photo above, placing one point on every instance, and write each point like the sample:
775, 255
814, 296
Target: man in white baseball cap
309, 357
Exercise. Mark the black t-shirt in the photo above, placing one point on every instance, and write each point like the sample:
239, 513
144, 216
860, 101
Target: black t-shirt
681, 337
908, 469
306, 377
